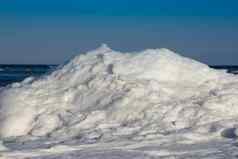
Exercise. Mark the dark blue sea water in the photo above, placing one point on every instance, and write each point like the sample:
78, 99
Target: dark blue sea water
17, 73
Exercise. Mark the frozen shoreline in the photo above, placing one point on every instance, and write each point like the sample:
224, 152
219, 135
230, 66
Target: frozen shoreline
105, 98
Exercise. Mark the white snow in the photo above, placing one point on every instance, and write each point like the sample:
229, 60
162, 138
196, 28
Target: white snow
153, 103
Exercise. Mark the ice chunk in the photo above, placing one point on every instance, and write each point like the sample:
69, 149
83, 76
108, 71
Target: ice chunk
108, 95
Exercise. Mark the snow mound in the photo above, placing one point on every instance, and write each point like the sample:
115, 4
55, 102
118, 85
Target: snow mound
107, 95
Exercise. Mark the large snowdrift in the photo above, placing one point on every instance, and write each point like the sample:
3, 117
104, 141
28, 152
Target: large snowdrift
105, 95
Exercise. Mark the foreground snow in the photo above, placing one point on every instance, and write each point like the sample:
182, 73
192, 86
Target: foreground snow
132, 150
107, 104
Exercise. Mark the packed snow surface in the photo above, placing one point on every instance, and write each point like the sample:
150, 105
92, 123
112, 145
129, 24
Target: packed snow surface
141, 104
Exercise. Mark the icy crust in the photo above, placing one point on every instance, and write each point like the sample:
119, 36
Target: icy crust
105, 95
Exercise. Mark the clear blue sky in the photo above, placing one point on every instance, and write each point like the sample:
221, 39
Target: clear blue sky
52, 31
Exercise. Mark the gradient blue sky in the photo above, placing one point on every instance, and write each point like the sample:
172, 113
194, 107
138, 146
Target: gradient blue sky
52, 31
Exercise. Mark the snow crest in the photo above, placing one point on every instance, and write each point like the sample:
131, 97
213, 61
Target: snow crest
105, 95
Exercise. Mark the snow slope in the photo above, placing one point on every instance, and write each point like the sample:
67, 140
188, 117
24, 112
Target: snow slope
145, 104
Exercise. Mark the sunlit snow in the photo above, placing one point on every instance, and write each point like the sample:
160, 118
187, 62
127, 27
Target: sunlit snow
107, 104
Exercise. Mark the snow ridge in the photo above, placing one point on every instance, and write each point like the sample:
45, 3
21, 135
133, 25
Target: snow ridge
106, 95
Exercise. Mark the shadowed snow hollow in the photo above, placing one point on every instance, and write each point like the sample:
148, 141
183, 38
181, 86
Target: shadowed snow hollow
106, 95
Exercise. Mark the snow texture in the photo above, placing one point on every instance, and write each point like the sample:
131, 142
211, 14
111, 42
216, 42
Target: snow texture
107, 104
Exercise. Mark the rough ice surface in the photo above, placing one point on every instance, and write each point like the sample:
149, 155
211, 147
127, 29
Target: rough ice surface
107, 104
